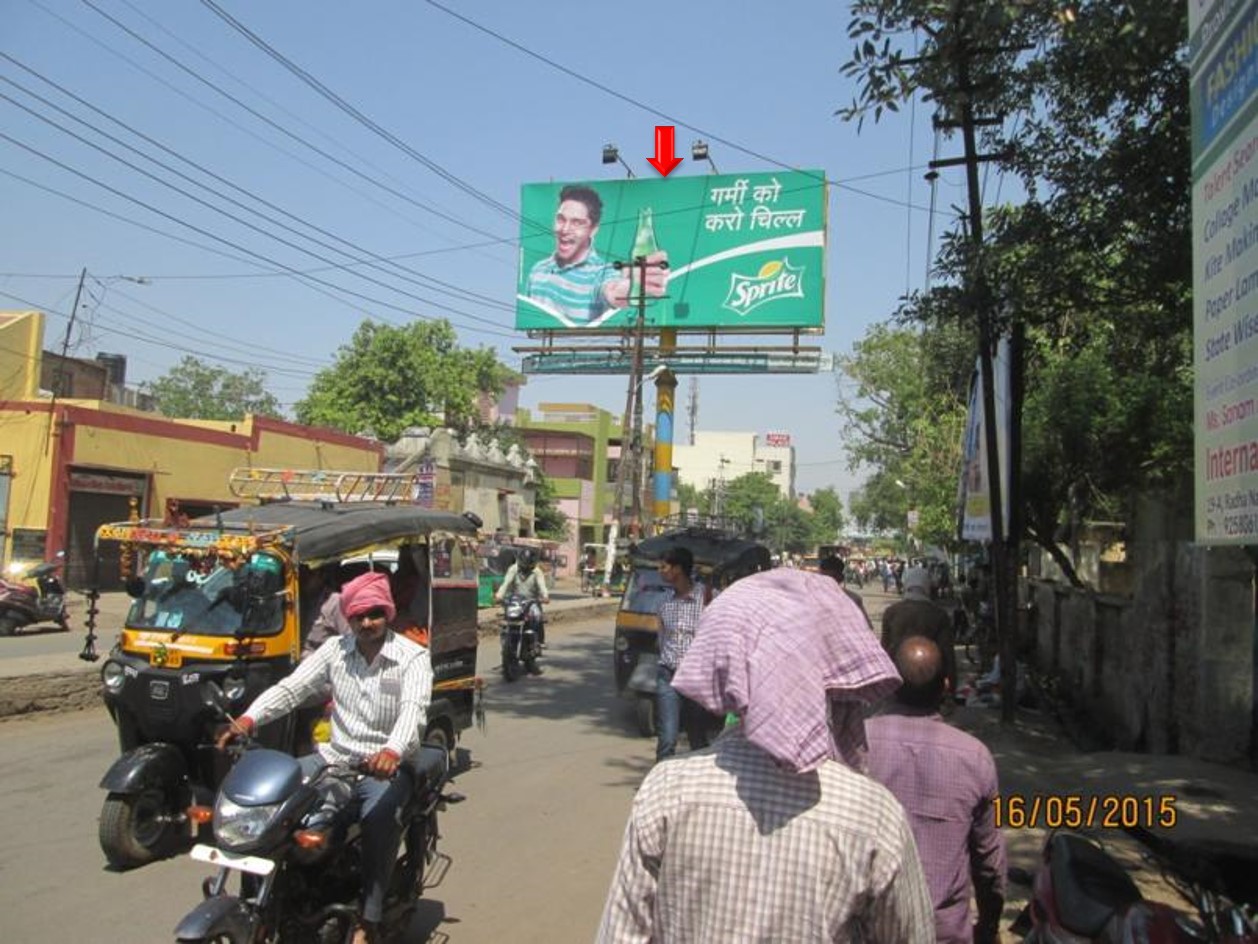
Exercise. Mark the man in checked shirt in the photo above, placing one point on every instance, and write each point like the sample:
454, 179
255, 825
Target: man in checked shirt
773, 833
679, 618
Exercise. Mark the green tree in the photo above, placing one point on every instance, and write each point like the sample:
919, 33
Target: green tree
906, 422
195, 390
1095, 100
688, 496
827, 515
548, 520
787, 527
748, 501
388, 378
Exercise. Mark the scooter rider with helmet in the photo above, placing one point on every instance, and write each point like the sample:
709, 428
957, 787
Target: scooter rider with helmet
524, 578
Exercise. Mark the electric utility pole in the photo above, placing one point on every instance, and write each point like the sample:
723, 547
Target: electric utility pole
631, 422
1004, 536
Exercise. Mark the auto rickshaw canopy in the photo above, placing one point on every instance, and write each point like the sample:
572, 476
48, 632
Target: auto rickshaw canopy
718, 554
317, 531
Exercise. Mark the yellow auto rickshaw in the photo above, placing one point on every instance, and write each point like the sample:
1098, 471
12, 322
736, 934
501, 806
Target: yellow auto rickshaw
223, 601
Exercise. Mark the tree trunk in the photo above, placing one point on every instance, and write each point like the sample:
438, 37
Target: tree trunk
1059, 557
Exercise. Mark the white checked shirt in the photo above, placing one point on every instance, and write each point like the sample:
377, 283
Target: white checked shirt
725, 845
374, 707
679, 619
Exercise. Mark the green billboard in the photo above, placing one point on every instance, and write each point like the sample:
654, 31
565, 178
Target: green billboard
723, 251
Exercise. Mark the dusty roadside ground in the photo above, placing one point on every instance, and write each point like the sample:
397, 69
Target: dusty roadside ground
50, 691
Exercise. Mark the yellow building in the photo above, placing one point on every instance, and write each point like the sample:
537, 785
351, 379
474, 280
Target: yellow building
67, 465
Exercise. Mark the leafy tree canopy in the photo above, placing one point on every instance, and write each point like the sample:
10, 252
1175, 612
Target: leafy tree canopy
1091, 99
195, 390
548, 520
827, 516
388, 378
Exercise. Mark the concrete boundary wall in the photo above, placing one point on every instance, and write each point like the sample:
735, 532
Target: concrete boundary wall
1169, 669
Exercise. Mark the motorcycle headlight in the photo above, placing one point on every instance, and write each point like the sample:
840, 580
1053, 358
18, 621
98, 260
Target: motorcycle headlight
241, 826
234, 688
113, 677
515, 611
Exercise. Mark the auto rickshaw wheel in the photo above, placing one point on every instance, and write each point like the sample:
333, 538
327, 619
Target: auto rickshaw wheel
9, 625
135, 828
646, 715
438, 734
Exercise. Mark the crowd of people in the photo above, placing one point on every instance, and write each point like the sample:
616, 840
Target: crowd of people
837, 803
834, 803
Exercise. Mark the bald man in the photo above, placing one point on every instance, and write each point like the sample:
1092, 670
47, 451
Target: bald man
946, 781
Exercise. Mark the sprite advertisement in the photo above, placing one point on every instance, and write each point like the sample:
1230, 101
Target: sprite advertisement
720, 251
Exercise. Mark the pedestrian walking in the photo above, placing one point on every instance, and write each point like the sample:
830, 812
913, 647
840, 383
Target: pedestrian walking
773, 834
946, 781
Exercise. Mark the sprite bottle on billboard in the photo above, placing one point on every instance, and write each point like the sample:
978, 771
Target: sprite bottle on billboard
644, 245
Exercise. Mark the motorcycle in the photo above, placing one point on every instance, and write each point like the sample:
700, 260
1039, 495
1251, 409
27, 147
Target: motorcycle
1080, 894
297, 860
31, 595
521, 648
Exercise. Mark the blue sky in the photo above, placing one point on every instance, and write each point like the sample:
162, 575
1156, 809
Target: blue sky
764, 77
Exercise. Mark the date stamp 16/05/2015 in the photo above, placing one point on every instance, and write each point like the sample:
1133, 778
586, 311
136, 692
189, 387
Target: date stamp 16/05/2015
1084, 811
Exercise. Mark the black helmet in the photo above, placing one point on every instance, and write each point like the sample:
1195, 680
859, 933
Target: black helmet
526, 558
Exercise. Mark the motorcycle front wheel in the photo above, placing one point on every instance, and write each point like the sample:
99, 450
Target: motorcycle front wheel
511, 667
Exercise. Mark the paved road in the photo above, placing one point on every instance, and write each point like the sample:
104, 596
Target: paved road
533, 847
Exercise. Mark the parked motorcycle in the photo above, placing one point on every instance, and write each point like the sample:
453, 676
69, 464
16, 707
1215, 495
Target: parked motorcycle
1080, 894
521, 648
296, 858
30, 595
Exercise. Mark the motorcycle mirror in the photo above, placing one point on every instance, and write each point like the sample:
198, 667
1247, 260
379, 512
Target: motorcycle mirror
212, 697
135, 587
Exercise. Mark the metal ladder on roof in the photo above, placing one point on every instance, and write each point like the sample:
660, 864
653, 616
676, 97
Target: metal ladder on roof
323, 485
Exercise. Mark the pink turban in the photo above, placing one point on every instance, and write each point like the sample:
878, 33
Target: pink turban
791, 654
366, 592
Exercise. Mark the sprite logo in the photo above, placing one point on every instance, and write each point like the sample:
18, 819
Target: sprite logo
774, 280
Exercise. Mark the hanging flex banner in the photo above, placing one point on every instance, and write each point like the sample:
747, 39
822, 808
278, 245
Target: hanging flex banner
722, 251
973, 494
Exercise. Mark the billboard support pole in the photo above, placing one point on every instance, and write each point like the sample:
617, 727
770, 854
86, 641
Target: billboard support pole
635, 519
665, 395
618, 493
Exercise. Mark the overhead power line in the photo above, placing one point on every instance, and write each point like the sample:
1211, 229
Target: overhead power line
426, 207
222, 239
650, 109
408, 274
155, 341
364, 120
231, 216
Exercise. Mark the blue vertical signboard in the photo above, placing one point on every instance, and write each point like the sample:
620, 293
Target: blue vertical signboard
1223, 46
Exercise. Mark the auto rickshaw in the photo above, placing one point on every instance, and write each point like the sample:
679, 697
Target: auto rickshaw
720, 558
218, 602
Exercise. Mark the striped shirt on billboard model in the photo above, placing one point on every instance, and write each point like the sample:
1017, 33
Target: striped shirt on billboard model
574, 291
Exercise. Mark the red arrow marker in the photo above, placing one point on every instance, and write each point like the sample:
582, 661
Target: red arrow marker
664, 160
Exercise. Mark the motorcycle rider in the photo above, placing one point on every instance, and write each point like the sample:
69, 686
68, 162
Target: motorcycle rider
381, 686
524, 578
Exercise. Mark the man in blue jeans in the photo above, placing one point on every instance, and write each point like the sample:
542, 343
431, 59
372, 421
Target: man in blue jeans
679, 618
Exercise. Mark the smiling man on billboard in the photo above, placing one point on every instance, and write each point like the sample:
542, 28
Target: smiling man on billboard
575, 281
